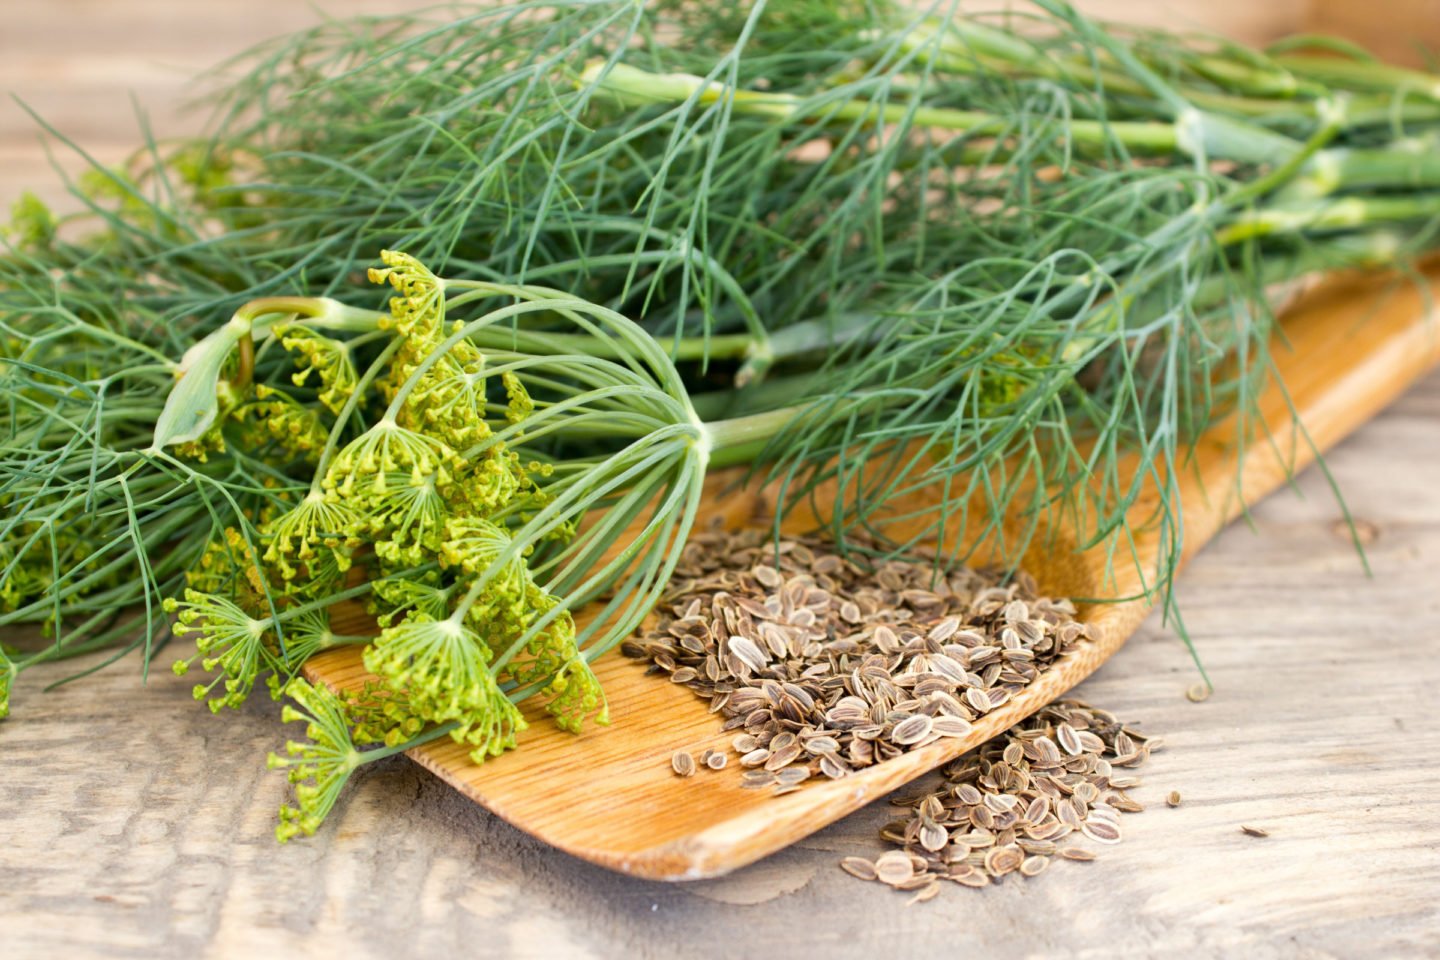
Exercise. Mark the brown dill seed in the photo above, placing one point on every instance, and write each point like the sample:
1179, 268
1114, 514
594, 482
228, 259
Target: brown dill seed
1198, 693
894, 868
1254, 831
683, 764
716, 760
1174, 798
1002, 810
858, 867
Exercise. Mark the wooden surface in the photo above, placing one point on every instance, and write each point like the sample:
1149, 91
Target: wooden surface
1344, 354
134, 824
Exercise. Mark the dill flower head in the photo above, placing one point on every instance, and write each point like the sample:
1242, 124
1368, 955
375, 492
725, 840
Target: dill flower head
228, 566
303, 637
314, 529
229, 640
442, 669
510, 606
318, 766
277, 417
322, 355
393, 598
449, 399
419, 310
575, 694
405, 517
363, 466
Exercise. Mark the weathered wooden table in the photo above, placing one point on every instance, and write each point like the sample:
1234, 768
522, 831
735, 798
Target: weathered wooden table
134, 824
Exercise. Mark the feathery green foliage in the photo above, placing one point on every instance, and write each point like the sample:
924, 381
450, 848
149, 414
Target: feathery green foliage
859, 243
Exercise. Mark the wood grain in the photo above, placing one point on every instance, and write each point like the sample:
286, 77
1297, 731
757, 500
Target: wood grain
133, 824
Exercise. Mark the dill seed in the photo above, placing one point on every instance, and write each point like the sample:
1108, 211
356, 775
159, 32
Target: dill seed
1254, 831
1198, 693
1174, 798
683, 764
859, 868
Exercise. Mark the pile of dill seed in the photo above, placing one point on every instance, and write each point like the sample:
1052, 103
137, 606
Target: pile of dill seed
823, 667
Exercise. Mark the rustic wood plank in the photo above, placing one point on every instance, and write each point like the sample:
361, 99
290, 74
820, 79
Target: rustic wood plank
136, 825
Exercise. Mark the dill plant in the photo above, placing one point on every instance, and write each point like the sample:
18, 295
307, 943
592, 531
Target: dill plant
861, 244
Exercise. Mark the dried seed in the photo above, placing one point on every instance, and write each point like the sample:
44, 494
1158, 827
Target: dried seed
933, 837
1077, 853
858, 867
1100, 830
1174, 798
716, 761
1003, 860
683, 764
911, 730
1254, 831
1198, 693
755, 758
948, 726
1033, 866
894, 867
767, 575
749, 652
925, 893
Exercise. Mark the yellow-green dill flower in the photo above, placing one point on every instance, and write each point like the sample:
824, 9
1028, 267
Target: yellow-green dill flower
575, 694
519, 404
392, 598
442, 669
449, 399
316, 526
228, 640
303, 637
228, 566
318, 766
405, 518
322, 355
275, 415
364, 465
32, 224
418, 313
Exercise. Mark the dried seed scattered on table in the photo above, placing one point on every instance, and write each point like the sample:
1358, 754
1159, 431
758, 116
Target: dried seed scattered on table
997, 811
683, 764
1174, 798
1254, 831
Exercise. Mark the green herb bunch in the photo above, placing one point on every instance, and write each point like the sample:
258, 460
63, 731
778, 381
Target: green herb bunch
888, 249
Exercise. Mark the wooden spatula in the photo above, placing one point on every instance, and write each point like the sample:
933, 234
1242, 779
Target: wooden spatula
609, 796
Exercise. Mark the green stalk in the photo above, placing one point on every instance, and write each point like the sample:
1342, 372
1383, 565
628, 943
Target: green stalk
634, 86
1329, 215
1360, 74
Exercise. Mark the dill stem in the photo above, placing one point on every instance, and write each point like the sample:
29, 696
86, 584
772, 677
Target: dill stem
434, 733
741, 439
332, 442
640, 86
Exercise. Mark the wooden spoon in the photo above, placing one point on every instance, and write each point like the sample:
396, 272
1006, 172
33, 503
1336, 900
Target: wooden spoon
609, 796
